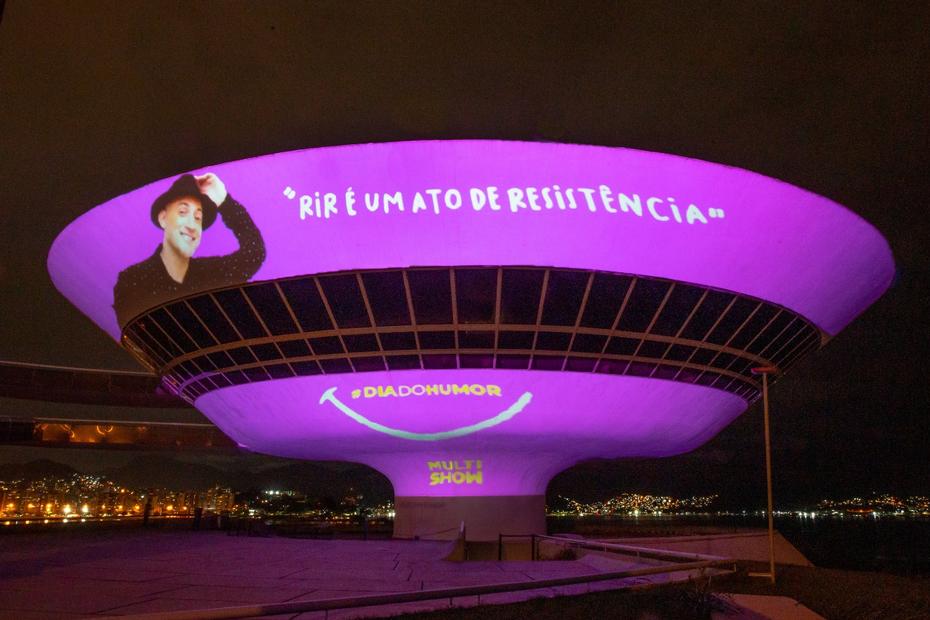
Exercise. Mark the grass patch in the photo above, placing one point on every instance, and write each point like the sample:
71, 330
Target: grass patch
835, 593
832, 593
676, 602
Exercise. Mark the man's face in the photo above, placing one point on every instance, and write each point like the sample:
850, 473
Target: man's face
182, 221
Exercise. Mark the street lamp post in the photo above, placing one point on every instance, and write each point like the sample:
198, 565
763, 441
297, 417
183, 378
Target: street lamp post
765, 371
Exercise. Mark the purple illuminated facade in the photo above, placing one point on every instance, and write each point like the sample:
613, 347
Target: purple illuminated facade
472, 317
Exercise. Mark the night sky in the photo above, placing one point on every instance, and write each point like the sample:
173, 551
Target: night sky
99, 98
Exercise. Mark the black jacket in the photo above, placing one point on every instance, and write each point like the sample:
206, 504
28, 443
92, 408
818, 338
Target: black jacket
147, 284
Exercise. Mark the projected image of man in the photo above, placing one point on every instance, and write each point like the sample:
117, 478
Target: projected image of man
183, 213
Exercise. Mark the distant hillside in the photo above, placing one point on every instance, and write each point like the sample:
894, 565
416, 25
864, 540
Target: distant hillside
316, 479
35, 470
327, 479
697, 473
156, 470
312, 478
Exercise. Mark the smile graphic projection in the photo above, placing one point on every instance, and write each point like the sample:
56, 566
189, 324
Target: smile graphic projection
503, 416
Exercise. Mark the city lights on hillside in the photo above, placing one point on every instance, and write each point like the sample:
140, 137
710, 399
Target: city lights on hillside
635, 504
81, 498
99, 498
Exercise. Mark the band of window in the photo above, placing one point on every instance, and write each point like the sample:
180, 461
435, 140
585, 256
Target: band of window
467, 317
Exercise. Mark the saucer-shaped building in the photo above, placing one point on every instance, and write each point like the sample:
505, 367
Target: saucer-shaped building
471, 317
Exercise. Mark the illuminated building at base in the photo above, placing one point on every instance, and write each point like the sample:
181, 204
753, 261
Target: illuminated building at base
469, 317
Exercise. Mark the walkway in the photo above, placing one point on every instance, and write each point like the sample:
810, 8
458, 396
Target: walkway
119, 572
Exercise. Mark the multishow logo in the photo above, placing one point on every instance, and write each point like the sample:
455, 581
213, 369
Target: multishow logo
455, 472
435, 390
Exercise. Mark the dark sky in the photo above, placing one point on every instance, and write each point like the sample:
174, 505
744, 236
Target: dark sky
99, 98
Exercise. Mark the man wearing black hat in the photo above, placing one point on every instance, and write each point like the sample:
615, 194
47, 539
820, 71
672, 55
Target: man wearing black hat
183, 212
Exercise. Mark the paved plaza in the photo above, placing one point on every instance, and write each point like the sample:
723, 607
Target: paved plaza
122, 572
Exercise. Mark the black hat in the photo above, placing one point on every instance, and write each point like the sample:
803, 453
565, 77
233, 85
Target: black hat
186, 185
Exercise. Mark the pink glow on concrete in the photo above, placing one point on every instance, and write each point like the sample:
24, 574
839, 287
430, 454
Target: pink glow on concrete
571, 417
755, 235
129, 571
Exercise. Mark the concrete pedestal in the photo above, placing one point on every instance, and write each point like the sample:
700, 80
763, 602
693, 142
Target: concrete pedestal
438, 518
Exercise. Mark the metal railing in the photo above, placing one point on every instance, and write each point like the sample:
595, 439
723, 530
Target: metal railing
596, 545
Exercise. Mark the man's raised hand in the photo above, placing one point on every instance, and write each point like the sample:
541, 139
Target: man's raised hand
212, 187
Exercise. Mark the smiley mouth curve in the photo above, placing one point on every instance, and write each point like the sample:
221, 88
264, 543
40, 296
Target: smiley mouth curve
503, 416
